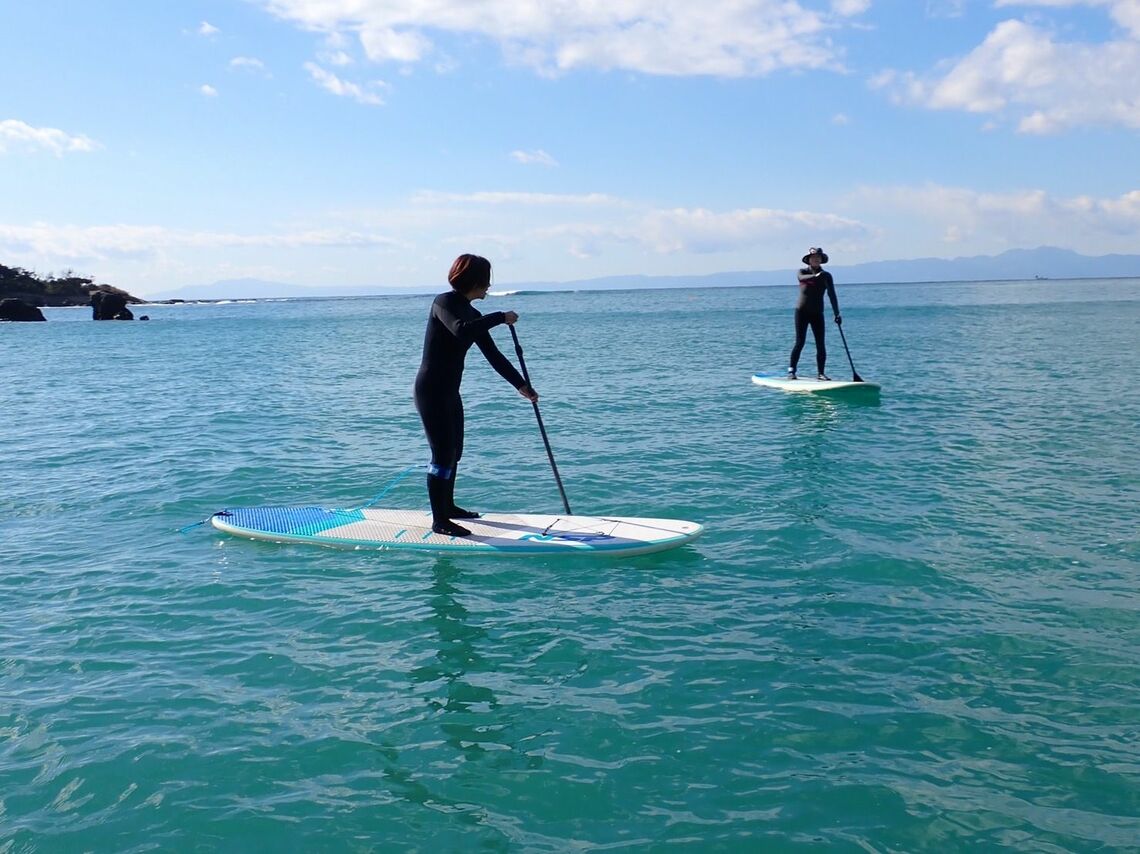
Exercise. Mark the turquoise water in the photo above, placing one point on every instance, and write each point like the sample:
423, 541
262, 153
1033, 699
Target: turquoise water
911, 624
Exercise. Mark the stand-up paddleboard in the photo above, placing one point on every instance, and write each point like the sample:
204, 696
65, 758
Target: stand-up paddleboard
492, 533
818, 386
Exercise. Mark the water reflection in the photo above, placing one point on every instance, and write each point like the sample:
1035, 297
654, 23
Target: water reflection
816, 441
821, 412
462, 703
426, 770
810, 411
811, 419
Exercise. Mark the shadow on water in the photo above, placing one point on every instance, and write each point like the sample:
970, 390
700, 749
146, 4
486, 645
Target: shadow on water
854, 397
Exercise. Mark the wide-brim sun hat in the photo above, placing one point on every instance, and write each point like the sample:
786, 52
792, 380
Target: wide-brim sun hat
815, 250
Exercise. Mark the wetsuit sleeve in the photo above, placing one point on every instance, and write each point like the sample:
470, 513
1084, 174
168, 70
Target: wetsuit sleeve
465, 328
498, 361
831, 293
805, 275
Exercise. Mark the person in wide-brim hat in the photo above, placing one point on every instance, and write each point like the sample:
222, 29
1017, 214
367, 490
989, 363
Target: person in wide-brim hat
815, 284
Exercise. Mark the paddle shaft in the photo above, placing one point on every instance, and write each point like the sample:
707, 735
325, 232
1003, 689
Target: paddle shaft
854, 373
541, 426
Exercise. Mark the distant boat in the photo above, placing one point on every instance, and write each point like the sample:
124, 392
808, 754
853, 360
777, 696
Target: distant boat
1041, 278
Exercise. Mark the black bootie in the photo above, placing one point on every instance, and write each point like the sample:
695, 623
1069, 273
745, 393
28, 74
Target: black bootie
439, 494
455, 511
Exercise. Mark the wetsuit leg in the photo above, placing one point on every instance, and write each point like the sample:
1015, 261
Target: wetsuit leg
454, 511
801, 337
443, 424
818, 329
457, 512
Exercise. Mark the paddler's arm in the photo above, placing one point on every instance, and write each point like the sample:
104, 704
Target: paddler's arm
502, 365
834, 299
465, 328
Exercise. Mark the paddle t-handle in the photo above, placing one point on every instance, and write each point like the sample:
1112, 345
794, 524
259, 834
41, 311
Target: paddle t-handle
538, 417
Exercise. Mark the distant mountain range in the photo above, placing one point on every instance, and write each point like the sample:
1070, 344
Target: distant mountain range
1017, 264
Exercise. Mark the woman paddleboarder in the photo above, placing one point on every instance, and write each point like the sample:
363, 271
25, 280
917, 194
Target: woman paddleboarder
814, 283
453, 326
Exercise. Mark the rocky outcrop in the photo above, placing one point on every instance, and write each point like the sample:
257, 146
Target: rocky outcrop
109, 305
16, 283
17, 309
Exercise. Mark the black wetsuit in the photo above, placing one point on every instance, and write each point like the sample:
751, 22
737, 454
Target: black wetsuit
809, 312
453, 326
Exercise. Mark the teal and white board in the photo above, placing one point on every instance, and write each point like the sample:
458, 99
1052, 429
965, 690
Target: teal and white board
492, 533
813, 385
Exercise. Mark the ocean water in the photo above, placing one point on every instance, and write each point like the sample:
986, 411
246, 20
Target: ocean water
911, 625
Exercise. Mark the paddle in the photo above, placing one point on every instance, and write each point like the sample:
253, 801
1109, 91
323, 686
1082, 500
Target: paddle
854, 373
541, 428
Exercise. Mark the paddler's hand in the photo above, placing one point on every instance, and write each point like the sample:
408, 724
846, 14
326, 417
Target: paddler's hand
510, 318
838, 320
529, 393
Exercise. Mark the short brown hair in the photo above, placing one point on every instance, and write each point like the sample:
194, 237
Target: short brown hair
469, 272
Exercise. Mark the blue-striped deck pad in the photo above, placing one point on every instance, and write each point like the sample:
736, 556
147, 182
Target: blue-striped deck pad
301, 521
378, 528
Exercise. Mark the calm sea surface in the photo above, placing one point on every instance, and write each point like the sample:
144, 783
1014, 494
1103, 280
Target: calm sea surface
912, 625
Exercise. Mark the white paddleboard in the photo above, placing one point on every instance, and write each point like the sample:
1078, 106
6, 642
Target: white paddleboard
498, 533
811, 384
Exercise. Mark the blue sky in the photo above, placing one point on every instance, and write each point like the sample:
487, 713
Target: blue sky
368, 142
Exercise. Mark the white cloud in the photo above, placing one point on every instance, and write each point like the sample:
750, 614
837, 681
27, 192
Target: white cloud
616, 221
330, 82
520, 199
585, 234
703, 231
1022, 72
945, 8
727, 38
537, 157
207, 29
996, 221
339, 58
1126, 13
18, 135
208, 90
249, 63
70, 242
840, 119
382, 44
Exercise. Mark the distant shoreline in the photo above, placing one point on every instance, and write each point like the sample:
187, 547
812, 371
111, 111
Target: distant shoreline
511, 291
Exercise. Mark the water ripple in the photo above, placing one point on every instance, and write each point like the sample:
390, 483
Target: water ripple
911, 625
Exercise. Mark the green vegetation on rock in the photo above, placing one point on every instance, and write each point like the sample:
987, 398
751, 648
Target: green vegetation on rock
16, 283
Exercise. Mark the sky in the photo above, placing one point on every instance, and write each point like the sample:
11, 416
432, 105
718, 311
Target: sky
332, 143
